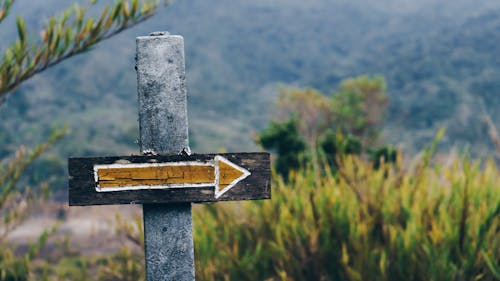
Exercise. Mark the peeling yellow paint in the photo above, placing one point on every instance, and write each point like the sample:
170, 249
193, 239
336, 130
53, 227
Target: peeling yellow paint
165, 175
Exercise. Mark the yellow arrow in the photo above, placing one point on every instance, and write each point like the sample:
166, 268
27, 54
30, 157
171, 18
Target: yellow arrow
220, 173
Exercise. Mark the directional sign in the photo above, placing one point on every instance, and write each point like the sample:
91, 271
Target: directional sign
220, 173
170, 178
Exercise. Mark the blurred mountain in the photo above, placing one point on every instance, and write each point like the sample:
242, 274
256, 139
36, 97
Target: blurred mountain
440, 58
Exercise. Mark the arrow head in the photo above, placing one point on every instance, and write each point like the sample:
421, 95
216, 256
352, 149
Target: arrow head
227, 175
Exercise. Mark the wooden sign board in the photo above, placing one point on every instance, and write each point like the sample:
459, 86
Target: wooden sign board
169, 178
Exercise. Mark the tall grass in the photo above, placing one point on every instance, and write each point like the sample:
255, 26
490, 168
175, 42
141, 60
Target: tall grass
399, 222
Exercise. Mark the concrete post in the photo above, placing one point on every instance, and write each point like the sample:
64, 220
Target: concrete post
163, 127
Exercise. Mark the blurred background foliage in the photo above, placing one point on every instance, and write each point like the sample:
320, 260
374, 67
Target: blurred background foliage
348, 122
418, 222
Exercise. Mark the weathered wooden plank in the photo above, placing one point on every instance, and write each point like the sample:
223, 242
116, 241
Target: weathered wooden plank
82, 181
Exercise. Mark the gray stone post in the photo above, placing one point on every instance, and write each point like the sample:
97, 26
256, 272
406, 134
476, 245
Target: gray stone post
168, 235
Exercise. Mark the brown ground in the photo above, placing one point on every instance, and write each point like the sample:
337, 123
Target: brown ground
91, 230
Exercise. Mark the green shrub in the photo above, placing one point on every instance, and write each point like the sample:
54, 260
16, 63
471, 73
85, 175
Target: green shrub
425, 222
333, 145
285, 140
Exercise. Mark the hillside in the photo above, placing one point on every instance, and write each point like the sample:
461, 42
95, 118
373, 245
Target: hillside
440, 60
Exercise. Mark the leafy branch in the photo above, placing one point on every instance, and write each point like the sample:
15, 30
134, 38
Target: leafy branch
64, 36
14, 205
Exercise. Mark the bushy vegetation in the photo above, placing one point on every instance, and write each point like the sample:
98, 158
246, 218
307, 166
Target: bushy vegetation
421, 221
310, 123
424, 219
15, 206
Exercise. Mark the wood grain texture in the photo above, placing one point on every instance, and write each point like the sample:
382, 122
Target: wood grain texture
82, 185
163, 175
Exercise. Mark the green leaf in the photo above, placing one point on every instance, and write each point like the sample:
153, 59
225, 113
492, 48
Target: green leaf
4, 11
8, 55
21, 29
492, 265
103, 15
135, 4
68, 35
116, 10
79, 17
